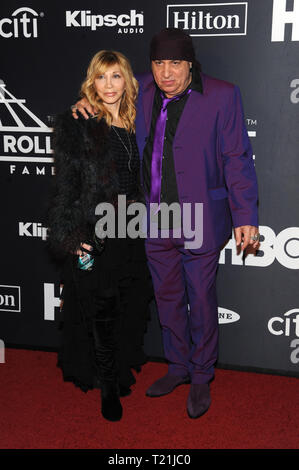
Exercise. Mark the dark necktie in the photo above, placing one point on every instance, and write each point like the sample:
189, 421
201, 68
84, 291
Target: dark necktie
158, 145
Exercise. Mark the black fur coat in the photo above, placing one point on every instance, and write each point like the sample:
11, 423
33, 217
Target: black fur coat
85, 175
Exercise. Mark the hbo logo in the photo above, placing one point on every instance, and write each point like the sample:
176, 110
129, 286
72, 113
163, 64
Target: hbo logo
284, 247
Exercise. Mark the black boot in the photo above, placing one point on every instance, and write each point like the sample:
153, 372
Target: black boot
111, 406
105, 335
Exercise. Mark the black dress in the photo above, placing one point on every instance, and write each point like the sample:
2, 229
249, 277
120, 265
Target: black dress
120, 273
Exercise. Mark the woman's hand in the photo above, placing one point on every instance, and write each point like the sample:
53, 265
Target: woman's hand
86, 246
82, 106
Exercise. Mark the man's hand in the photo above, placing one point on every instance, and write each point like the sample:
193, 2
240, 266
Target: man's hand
82, 106
243, 237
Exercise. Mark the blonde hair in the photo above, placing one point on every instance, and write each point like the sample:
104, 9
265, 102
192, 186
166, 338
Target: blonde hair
98, 65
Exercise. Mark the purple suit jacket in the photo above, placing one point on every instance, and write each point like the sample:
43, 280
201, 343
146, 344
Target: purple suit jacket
212, 156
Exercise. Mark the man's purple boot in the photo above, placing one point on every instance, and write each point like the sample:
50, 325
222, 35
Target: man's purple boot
199, 400
166, 385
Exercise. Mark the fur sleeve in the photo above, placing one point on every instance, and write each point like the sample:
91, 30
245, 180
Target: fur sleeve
65, 219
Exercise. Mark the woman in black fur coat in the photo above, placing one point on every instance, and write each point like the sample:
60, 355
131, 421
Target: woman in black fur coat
107, 286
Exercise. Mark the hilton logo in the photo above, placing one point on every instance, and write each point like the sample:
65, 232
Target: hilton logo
10, 298
209, 19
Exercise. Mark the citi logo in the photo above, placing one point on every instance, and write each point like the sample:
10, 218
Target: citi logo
85, 19
287, 325
10, 298
23, 23
227, 316
32, 229
209, 19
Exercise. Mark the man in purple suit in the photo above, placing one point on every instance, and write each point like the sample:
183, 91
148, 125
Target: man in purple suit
195, 149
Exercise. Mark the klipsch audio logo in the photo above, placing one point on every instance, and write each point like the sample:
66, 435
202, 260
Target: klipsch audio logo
22, 24
10, 298
25, 141
288, 326
281, 16
32, 229
209, 19
128, 23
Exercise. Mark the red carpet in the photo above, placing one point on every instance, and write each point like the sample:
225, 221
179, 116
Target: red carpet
40, 411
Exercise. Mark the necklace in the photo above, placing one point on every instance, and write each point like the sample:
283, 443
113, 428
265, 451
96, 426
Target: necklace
130, 145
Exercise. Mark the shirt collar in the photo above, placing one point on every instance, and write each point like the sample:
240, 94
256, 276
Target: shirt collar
196, 83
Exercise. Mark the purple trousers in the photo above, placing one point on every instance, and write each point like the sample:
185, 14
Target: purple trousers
185, 292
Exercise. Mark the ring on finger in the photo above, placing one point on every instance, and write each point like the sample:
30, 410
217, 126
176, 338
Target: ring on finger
256, 237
